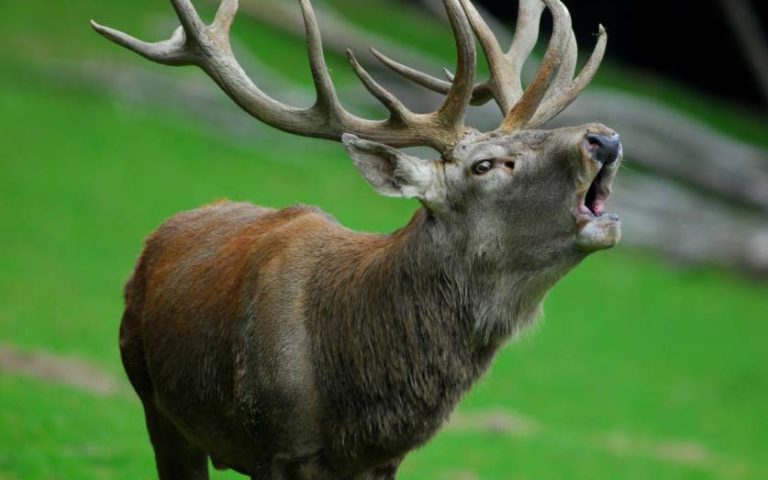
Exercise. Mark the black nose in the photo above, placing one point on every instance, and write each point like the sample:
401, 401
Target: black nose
605, 148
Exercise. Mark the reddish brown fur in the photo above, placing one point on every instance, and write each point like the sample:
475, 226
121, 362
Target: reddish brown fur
217, 320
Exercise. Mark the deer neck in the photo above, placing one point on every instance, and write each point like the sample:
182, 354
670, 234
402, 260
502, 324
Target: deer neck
490, 297
428, 279
417, 318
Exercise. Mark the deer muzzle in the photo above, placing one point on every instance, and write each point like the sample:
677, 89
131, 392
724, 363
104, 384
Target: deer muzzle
598, 229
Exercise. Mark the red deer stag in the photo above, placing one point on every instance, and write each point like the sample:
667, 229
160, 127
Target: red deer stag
281, 345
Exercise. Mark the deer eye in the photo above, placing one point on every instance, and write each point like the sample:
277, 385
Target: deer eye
483, 166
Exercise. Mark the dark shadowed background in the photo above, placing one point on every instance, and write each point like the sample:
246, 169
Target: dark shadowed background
694, 42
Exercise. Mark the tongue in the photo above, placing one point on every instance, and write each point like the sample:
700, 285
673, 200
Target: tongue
597, 207
591, 201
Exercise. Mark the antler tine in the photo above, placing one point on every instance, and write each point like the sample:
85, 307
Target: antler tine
225, 15
519, 116
327, 100
188, 16
397, 110
555, 104
167, 52
420, 78
500, 69
457, 100
480, 95
567, 68
526, 34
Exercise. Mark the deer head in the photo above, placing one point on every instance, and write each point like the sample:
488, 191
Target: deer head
519, 193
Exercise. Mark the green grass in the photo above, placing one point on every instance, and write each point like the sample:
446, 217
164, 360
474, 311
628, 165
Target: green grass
53, 432
639, 370
628, 345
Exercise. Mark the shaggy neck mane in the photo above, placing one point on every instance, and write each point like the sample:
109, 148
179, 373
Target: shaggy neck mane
408, 322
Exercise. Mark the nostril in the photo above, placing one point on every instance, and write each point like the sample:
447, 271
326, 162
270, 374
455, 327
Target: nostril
594, 141
604, 148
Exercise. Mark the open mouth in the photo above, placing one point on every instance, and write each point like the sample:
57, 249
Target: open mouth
592, 203
597, 228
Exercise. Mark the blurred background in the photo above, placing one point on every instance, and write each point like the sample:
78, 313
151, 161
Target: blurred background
651, 359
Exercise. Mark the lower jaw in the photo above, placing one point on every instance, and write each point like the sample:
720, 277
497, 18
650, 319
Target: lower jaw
599, 232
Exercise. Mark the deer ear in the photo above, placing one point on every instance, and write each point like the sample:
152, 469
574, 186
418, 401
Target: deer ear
390, 171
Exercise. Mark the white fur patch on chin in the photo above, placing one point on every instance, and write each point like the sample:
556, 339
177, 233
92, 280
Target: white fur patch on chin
600, 233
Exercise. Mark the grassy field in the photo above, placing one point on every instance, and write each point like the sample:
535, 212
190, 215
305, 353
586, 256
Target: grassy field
639, 370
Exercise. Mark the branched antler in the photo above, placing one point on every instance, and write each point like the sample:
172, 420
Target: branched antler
208, 47
553, 87
551, 90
